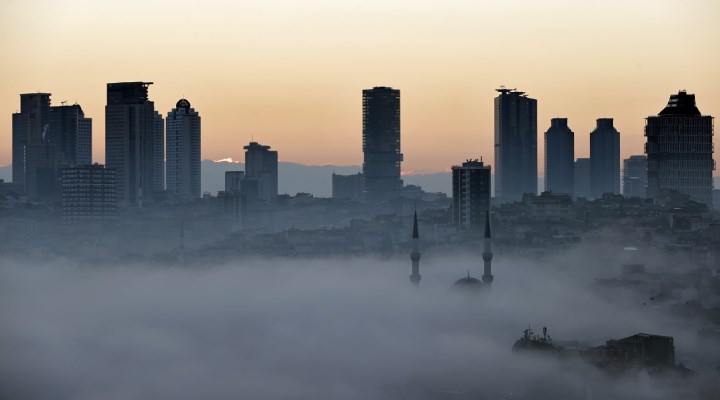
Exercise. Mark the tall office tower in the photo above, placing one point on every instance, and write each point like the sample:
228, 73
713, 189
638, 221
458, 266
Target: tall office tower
635, 176
582, 178
559, 157
471, 194
29, 127
183, 152
349, 187
515, 145
261, 164
71, 135
381, 143
88, 193
131, 132
604, 158
680, 149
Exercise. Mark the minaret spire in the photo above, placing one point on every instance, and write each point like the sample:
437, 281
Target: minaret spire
415, 253
487, 253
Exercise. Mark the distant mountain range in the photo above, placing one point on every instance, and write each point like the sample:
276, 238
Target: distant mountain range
315, 179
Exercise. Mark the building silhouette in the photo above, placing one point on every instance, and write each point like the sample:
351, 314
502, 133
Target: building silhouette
350, 187
604, 158
183, 152
237, 182
559, 157
415, 253
261, 164
88, 194
159, 154
131, 143
30, 148
679, 149
582, 178
70, 132
487, 253
471, 194
381, 143
635, 176
515, 145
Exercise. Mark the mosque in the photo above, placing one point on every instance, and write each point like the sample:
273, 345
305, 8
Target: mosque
466, 283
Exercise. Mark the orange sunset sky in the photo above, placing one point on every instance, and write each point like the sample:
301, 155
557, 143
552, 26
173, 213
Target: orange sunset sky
290, 73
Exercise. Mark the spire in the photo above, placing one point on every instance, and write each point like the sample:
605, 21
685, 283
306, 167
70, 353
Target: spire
487, 224
415, 227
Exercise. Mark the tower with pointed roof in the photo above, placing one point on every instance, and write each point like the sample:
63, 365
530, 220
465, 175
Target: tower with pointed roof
415, 253
487, 253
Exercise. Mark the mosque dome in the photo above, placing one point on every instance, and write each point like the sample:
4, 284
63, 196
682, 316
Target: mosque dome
467, 283
182, 103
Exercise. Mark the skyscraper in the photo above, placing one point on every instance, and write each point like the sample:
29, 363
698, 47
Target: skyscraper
261, 163
635, 176
680, 150
604, 158
131, 133
183, 152
471, 194
29, 128
159, 154
71, 135
559, 157
515, 145
582, 178
381, 143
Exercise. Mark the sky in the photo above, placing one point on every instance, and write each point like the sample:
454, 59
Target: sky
290, 73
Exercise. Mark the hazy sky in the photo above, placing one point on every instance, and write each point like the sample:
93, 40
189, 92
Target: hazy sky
290, 73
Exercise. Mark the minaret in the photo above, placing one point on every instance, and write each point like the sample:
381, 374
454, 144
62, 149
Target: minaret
415, 254
487, 253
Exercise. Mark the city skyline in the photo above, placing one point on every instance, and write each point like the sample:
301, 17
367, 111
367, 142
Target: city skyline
278, 93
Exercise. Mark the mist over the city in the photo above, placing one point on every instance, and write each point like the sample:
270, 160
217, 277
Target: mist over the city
359, 200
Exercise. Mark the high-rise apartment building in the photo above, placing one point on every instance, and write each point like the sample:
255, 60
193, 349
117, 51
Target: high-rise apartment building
604, 158
88, 194
582, 178
635, 176
183, 152
559, 157
261, 164
159, 154
71, 135
349, 187
679, 149
381, 143
471, 194
515, 145
29, 142
131, 143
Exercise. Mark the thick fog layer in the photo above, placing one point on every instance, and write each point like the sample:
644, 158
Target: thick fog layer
330, 329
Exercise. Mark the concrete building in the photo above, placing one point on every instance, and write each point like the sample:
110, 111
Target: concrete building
471, 194
679, 149
559, 157
29, 127
88, 194
237, 182
604, 158
70, 133
381, 143
349, 187
582, 178
261, 164
515, 145
635, 176
183, 152
131, 143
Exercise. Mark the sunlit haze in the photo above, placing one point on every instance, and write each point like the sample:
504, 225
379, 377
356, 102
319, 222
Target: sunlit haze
290, 73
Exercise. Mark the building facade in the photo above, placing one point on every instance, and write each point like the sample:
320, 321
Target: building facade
131, 148
559, 157
183, 152
350, 187
261, 164
635, 176
515, 145
679, 149
88, 194
604, 158
381, 143
471, 194
582, 178
29, 129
